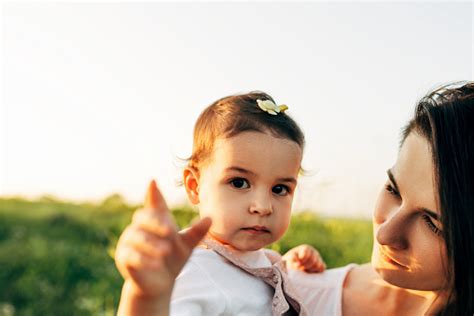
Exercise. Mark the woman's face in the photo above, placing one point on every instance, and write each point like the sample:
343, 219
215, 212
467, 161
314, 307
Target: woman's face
409, 250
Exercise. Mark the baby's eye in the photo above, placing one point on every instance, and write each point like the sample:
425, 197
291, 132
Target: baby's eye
240, 183
280, 189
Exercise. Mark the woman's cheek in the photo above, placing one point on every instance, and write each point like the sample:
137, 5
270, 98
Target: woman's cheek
431, 257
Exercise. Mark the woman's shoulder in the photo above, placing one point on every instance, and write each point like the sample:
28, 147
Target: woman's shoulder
321, 292
331, 278
364, 292
359, 277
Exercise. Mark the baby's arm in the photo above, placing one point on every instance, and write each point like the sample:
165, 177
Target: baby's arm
305, 258
150, 254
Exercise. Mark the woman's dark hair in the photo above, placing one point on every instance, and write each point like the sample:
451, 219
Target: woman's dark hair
235, 114
445, 117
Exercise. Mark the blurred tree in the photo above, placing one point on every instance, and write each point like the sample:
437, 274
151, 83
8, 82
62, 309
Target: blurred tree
113, 203
56, 257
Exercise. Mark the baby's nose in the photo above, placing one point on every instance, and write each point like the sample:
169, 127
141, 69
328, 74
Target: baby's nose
261, 205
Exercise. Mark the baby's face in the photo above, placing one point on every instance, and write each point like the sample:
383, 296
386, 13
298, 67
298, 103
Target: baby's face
247, 188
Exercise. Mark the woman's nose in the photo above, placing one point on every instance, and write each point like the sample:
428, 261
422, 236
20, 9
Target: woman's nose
261, 204
383, 207
392, 231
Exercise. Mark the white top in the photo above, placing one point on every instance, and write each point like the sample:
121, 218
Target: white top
321, 293
210, 285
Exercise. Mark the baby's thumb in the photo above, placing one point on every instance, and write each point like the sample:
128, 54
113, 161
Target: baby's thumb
193, 235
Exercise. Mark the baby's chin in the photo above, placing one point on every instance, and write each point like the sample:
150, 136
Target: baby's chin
249, 248
251, 245
243, 242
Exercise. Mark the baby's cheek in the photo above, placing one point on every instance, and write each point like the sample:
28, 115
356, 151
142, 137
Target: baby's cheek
283, 226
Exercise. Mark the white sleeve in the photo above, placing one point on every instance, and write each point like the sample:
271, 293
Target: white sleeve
196, 294
321, 293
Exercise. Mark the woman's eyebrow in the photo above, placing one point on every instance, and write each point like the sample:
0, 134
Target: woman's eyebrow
392, 178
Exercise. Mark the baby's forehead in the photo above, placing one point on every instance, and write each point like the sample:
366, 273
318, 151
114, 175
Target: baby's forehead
254, 143
254, 138
257, 152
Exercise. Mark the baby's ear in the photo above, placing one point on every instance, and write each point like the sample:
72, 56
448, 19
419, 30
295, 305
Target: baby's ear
191, 183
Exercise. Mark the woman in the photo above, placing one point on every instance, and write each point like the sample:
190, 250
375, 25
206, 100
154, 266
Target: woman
424, 217
422, 261
423, 252
433, 180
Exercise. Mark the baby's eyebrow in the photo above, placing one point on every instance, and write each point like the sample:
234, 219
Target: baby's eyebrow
243, 170
240, 169
291, 180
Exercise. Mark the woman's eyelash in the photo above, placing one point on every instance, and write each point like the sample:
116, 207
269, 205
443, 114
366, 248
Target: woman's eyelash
390, 189
431, 225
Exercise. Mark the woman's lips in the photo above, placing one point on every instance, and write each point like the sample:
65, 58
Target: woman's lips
390, 260
256, 230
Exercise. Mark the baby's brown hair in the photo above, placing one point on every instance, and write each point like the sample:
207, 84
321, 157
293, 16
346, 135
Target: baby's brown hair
235, 114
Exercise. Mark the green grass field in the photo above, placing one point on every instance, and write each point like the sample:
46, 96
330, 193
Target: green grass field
56, 256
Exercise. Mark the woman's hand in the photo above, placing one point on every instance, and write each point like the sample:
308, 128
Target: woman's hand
305, 258
150, 254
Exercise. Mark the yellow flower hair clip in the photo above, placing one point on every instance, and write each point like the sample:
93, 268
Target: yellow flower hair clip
270, 107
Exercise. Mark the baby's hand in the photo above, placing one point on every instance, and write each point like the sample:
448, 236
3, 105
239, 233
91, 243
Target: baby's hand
150, 254
305, 258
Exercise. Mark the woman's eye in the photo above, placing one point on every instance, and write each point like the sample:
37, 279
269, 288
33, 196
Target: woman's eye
240, 183
431, 225
390, 189
280, 189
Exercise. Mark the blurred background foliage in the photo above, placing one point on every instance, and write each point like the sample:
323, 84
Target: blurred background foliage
56, 257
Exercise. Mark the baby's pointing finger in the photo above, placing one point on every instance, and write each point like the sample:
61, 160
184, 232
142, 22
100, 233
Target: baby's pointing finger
148, 244
154, 199
158, 224
137, 260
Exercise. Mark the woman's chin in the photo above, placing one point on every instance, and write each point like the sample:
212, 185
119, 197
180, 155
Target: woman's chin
393, 277
392, 273
402, 278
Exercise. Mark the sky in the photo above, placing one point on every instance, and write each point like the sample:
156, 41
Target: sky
99, 98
